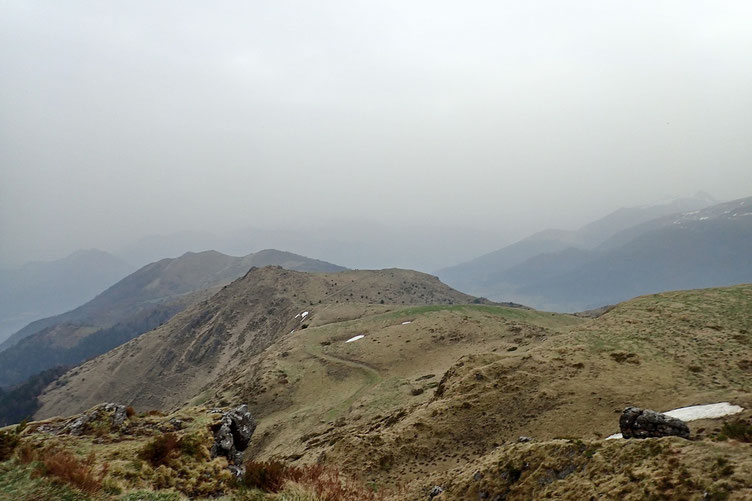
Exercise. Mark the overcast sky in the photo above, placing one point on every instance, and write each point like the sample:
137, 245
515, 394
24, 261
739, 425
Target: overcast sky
123, 119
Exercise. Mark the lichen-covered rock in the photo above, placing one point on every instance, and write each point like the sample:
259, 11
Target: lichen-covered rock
115, 413
233, 434
644, 423
77, 426
119, 413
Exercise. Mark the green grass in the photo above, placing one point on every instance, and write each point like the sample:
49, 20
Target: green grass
144, 495
535, 317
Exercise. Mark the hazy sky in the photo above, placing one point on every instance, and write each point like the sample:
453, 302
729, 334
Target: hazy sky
122, 119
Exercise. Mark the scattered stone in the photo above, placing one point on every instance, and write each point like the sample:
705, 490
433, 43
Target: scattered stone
77, 426
435, 491
176, 423
644, 423
233, 434
119, 413
237, 471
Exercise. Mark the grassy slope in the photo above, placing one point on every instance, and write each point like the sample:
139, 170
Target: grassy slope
195, 349
434, 401
312, 385
566, 377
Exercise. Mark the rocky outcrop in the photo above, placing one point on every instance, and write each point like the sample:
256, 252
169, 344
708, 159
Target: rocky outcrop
232, 434
644, 423
114, 413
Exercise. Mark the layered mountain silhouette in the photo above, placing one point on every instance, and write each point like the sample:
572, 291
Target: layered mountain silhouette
136, 304
40, 289
614, 259
199, 348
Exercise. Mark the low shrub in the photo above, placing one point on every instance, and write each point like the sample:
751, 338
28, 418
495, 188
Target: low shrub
326, 483
737, 430
26, 453
67, 467
268, 476
191, 445
130, 412
8, 443
159, 450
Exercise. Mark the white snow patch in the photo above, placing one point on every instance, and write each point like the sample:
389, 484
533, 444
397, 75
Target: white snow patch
695, 412
703, 218
298, 315
292, 331
359, 336
709, 411
405, 323
304, 314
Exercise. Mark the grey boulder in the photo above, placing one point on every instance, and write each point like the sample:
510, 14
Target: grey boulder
233, 434
644, 423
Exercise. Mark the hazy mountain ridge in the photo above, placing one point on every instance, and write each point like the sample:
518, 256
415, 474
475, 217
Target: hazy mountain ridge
473, 276
203, 343
697, 248
136, 304
40, 289
707, 248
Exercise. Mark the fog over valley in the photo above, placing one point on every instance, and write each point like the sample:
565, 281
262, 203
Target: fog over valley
418, 135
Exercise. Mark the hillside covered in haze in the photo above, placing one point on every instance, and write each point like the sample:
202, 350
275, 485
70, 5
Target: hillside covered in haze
39, 289
136, 304
618, 257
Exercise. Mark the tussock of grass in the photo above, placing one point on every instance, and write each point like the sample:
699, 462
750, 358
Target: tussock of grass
8, 443
314, 482
160, 450
737, 430
20, 482
66, 467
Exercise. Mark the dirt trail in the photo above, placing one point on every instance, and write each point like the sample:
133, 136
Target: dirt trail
371, 376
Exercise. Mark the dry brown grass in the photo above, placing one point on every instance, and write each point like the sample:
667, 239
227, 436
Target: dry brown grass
65, 466
8, 443
327, 483
160, 450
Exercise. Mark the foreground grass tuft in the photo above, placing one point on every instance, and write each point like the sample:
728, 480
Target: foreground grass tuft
737, 430
314, 482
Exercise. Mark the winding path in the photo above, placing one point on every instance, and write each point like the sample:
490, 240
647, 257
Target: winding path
371, 376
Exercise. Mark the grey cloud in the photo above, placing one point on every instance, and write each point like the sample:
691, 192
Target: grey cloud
132, 118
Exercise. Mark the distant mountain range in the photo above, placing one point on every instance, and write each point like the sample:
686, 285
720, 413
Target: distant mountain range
138, 303
40, 289
355, 244
685, 244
